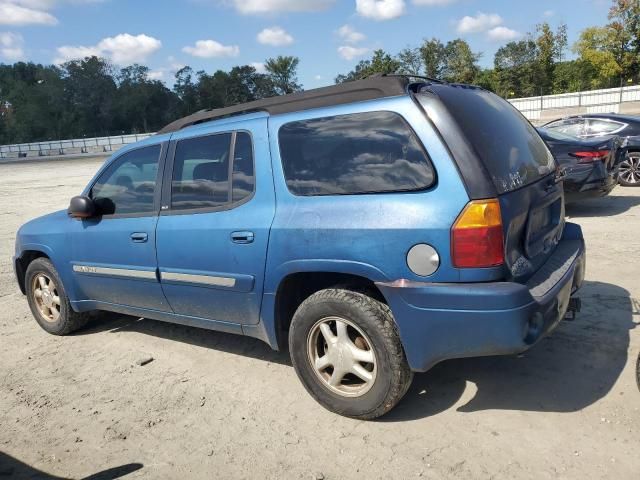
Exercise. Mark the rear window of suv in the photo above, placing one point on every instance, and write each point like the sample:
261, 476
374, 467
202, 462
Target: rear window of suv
372, 152
506, 143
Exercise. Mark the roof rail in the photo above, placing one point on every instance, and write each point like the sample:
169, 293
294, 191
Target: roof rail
359, 90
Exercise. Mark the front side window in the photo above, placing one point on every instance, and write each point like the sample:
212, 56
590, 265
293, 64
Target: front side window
204, 175
128, 185
373, 152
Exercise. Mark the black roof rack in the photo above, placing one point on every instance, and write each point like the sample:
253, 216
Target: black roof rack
377, 86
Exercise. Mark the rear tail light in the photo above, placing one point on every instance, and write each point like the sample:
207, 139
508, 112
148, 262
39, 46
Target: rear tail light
477, 240
590, 157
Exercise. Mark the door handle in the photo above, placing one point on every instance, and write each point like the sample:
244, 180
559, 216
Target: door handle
242, 237
139, 237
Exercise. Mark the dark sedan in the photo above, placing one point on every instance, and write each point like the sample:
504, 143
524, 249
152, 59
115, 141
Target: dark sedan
600, 125
591, 165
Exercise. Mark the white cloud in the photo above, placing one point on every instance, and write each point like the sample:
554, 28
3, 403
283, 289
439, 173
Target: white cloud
349, 52
549, 13
259, 66
11, 46
433, 3
13, 13
156, 74
211, 49
350, 35
249, 7
502, 34
122, 49
380, 9
480, 23
274, 36
317, 77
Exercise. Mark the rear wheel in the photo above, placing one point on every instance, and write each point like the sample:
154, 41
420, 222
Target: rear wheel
629, 172
346, 351
48, 300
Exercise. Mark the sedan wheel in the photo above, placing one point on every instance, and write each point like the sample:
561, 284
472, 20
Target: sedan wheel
629, 172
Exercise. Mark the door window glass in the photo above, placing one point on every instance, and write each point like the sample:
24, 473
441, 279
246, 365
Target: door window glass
128, 185
243, 176
201, 172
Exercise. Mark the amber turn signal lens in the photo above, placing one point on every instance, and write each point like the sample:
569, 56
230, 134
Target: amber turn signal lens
477, 240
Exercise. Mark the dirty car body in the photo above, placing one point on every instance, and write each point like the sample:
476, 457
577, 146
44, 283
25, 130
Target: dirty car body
437, 206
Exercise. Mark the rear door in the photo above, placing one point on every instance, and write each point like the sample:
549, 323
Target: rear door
520, 168
213, 230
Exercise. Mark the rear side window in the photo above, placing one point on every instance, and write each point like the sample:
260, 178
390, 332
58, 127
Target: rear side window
371, 152
204, 175
507, 144
597, 127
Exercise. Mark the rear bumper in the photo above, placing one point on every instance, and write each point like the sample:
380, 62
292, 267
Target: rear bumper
444, 321
598, 182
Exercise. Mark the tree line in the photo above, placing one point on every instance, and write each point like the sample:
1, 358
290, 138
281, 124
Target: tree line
89, 97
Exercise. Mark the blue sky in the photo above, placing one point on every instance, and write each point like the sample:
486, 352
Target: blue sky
329, 36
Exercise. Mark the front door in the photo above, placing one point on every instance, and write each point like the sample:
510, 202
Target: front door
214, 225
113, 255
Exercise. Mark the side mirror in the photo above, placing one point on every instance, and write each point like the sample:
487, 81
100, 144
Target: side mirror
81, 207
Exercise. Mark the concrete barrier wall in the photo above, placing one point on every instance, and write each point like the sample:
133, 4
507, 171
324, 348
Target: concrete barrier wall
98, 145
551, 107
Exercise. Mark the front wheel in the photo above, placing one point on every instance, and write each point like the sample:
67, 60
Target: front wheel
346, 351
629, 170
48, 300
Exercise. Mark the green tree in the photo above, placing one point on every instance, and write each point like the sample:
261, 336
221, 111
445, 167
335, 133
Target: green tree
434, 58
89, 92
380, 63
550, 47
283, 73
516, 69
410, 61
596, 46
461, 63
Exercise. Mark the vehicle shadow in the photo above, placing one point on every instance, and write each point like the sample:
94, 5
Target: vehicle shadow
572, 368
225, 342
604, 206
11, 467
569, 370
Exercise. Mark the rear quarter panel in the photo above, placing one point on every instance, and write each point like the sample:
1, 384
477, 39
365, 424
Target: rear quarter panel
367, 235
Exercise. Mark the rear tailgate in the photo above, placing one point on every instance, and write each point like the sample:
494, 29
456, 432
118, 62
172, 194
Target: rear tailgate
512, 158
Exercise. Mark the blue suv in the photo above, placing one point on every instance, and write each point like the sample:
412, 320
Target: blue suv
376, 227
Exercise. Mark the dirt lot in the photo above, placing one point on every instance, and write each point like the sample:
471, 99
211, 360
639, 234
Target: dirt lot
213, 405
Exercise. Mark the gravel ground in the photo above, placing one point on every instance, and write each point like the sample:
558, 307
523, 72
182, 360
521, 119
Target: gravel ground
213, 405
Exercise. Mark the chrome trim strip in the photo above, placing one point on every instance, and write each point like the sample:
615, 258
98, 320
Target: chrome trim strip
116, 272
202, 279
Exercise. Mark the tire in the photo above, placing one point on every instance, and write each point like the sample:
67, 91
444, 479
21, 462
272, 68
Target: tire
629, 170
363, 338
48, 300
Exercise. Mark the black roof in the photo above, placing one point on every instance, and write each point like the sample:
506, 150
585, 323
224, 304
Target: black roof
360, 90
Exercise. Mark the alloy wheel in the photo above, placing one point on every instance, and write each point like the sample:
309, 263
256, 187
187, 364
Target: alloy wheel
629, 171
46, 298
342, 357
